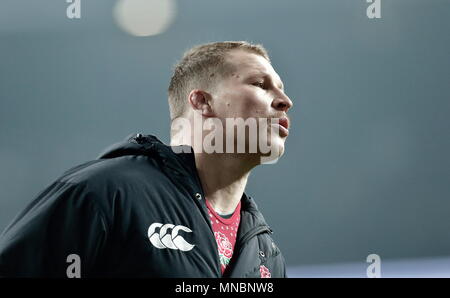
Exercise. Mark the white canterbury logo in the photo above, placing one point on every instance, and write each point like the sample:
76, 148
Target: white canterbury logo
164, 240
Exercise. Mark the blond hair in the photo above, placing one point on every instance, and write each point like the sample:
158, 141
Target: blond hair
201, 67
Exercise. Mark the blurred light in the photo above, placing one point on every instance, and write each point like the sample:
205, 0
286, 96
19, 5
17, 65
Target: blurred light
144, 17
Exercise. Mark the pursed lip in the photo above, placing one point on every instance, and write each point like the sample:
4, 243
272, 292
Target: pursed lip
283, 126
284, 121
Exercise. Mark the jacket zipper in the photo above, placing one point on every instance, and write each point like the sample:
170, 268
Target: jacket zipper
217, 253
253, 233
240, 244
219, 266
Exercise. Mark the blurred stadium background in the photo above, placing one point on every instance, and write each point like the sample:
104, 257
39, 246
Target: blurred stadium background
367, 166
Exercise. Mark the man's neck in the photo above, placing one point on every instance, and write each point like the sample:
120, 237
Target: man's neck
223, 178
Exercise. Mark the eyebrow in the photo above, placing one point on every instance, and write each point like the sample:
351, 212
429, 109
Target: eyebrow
265, 74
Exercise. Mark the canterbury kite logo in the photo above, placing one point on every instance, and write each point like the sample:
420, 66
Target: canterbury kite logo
169, 240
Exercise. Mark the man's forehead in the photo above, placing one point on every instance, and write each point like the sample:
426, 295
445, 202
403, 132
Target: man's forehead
246, 63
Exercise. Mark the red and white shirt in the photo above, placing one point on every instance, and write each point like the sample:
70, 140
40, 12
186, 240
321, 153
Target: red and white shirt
225, 231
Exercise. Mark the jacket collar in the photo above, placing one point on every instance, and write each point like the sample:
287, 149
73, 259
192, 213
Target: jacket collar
178, 163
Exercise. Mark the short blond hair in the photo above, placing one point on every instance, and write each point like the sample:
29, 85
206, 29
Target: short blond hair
201, 67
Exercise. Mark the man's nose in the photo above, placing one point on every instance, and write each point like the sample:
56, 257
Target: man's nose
282, 103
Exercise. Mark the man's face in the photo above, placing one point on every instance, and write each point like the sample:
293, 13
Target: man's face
254, 90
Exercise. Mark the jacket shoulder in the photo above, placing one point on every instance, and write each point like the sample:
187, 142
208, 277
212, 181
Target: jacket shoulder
118, 184
114, 172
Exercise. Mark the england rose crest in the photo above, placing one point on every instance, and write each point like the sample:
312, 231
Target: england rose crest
265, 273
225, 248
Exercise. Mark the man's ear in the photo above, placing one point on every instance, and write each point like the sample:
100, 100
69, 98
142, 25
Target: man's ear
201, 102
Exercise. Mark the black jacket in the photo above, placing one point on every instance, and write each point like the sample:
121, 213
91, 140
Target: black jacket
136, 211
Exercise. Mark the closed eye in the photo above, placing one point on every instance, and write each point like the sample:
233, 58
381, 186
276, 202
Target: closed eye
259, 84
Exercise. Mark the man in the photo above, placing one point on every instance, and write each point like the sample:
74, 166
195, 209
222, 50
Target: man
145, 209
